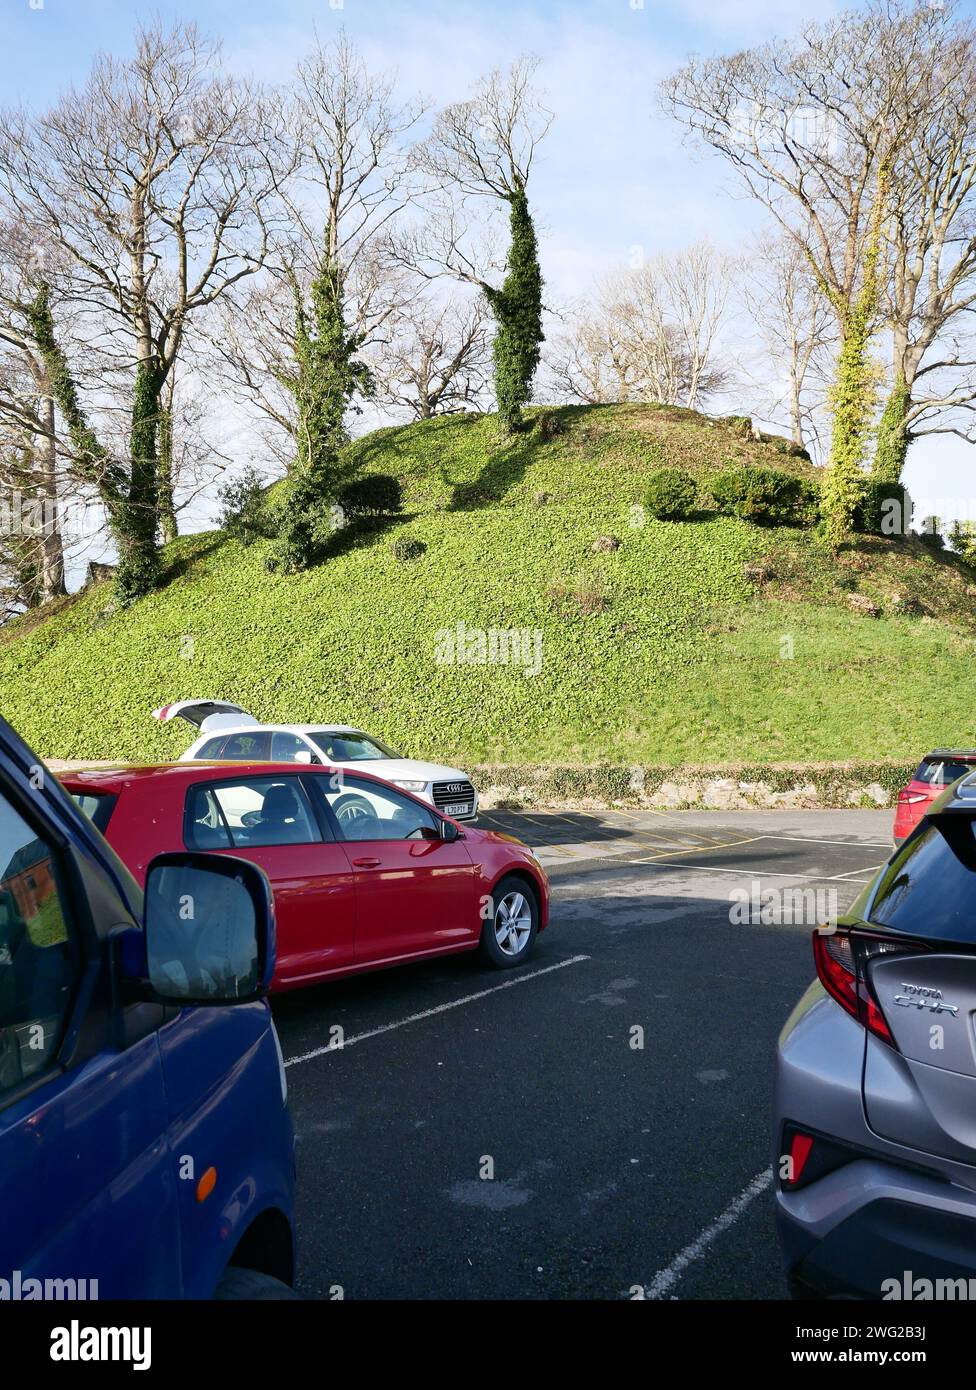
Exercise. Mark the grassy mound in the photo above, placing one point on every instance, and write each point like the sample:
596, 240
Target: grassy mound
709, 641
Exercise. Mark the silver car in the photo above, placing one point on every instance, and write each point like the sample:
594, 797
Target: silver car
875, 1114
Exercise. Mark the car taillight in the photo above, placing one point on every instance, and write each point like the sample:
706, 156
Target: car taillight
836, 968
806, 1156
841, 961
907, 798
800, 1146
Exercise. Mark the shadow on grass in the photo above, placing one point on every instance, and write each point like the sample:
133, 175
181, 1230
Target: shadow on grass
177, 568
360, 533
507, 465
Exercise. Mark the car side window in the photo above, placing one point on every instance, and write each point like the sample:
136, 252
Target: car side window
211, 749
256, 812
39, 952
367, 811
205, 827
286, 747
246, 748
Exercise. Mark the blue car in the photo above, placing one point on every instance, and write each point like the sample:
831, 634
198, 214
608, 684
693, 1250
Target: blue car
146, 1149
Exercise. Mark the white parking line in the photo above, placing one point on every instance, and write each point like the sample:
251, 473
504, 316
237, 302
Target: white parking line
665, 1279
848, 844
429, 1013
754, 873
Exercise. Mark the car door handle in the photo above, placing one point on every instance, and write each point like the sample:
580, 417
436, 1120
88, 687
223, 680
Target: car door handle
367, 862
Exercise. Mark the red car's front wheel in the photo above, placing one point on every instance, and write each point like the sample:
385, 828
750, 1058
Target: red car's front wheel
508, 935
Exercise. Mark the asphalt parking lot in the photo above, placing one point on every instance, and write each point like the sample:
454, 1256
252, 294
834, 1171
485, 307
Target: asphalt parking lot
615, 1167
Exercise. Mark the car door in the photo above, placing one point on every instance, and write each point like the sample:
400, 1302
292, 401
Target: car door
90, 1186
270, 820
415, 892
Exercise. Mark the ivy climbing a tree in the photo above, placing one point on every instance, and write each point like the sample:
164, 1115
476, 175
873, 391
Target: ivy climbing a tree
484, 147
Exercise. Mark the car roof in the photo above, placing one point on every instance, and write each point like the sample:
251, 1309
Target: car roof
282, 729
114, 779
960, 754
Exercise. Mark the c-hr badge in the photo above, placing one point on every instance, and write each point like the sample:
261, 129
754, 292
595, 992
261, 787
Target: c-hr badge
921, 997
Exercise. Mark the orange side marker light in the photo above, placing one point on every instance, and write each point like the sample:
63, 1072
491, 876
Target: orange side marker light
206, 1184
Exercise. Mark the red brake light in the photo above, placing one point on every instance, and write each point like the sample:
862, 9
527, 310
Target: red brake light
800, 1147
836, 955
907, 798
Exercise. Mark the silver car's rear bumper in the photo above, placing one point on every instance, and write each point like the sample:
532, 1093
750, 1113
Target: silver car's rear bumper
892, 1213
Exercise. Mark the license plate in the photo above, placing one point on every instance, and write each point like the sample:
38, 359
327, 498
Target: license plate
457, 808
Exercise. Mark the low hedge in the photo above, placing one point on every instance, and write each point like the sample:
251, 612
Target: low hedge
766, 496
834, 784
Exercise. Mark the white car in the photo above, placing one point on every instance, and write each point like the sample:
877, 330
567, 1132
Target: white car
229, 733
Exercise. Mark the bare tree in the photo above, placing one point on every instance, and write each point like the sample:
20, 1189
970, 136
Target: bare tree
815, 129
437, 360
650, 334
27, 411
152, 180
795, 327
485, 148
350, 185
931, 248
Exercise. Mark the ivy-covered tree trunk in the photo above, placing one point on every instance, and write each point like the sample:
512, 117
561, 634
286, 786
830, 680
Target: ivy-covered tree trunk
166, 505
136, 521
853, 391
891, 448
51, 545
517, 309
128, 495
328, 373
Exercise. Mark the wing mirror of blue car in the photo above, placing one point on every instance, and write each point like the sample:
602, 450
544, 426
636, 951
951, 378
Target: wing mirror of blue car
209, 933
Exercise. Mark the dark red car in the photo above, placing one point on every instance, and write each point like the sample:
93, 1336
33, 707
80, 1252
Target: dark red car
936, 771
364, 874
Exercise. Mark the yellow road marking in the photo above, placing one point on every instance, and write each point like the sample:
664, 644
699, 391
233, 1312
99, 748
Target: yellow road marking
725, 844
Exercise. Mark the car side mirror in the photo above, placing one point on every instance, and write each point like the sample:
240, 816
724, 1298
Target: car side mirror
450, 832
304, 756
209, 929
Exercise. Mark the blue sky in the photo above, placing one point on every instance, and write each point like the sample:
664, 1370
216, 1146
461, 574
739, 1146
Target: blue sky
614, 174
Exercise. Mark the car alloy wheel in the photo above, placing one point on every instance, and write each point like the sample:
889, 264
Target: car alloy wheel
513, 923
351, 808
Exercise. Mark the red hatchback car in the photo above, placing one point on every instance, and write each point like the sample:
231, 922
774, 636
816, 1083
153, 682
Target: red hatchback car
936, 771
364, 874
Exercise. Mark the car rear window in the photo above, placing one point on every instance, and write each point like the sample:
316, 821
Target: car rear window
939, 772
929, 887
97, 806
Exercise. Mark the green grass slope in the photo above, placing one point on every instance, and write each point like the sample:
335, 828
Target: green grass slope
661, 651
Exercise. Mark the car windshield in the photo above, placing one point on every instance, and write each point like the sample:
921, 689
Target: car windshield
347, 746
929, 888
939, 772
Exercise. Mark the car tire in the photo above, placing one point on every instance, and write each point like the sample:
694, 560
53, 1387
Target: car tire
508, 935
252, 1284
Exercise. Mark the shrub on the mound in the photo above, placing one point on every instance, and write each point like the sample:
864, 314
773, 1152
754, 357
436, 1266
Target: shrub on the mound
244, 513
376, 494
931, 533
671, 494
884, 509
407, 548
766, 496
962, 538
